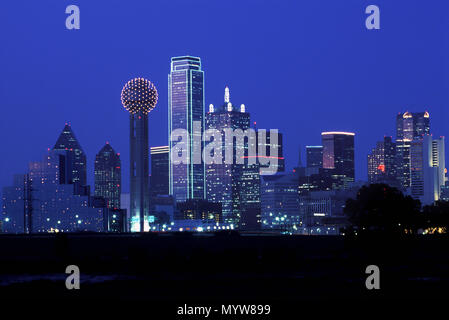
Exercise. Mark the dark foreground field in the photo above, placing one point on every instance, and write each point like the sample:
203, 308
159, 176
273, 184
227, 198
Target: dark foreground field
221, 268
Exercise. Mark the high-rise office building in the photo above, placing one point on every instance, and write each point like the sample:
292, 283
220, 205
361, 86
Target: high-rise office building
409, 126
159, 180
382, 163
75, 163
250, 197
186, 111
228, 183
139, 97
108, 176
427, 169
439, 160
314, 156
338, 155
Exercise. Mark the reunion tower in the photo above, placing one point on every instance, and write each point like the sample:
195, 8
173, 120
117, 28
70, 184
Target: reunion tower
139, 97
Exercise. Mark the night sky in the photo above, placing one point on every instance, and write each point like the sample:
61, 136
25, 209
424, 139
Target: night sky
302, 67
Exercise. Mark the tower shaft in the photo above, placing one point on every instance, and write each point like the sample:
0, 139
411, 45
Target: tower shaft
139, 170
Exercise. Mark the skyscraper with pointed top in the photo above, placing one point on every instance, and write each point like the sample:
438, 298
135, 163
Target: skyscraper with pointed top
74, 168
108, 179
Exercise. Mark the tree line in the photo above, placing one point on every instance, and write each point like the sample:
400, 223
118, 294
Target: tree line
380, 208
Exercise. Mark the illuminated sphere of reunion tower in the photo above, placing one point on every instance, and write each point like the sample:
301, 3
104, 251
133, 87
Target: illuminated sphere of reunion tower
139, 97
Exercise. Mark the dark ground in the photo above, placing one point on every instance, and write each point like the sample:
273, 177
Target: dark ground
173, 269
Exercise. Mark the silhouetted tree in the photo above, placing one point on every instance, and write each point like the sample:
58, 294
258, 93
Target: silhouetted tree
383, 209
437, 216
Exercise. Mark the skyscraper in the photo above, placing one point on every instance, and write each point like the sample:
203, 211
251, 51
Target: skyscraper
381, 163
427, 169
338, 155
139, 97
75, 165
439, 160
108, 176
186, 110
314, 156
409, 126
228, 183
159, 171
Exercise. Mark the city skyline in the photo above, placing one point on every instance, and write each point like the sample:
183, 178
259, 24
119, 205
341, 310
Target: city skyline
214, 159
313, 96
73, 144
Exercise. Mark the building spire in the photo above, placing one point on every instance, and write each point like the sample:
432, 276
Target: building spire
227, 96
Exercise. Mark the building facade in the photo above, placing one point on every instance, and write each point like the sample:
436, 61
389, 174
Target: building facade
186, 110
314, 156
409, 126
13, 206
382, 163
280, 202
108, 176
159, 180
232, 183
76, 163
338, 156
57, 206
427, 164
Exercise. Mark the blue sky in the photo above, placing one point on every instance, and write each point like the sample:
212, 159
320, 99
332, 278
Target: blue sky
302, 67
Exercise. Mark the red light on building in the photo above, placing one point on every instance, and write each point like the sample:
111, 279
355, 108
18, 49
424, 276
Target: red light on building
381, 167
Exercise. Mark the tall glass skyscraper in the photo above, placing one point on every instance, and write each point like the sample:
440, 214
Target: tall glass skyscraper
186, 108
108, 176
427, 164
75, 170
338, 155
409, 126
225, 181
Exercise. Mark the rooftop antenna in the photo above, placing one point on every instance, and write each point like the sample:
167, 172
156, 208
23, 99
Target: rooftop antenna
227, 96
